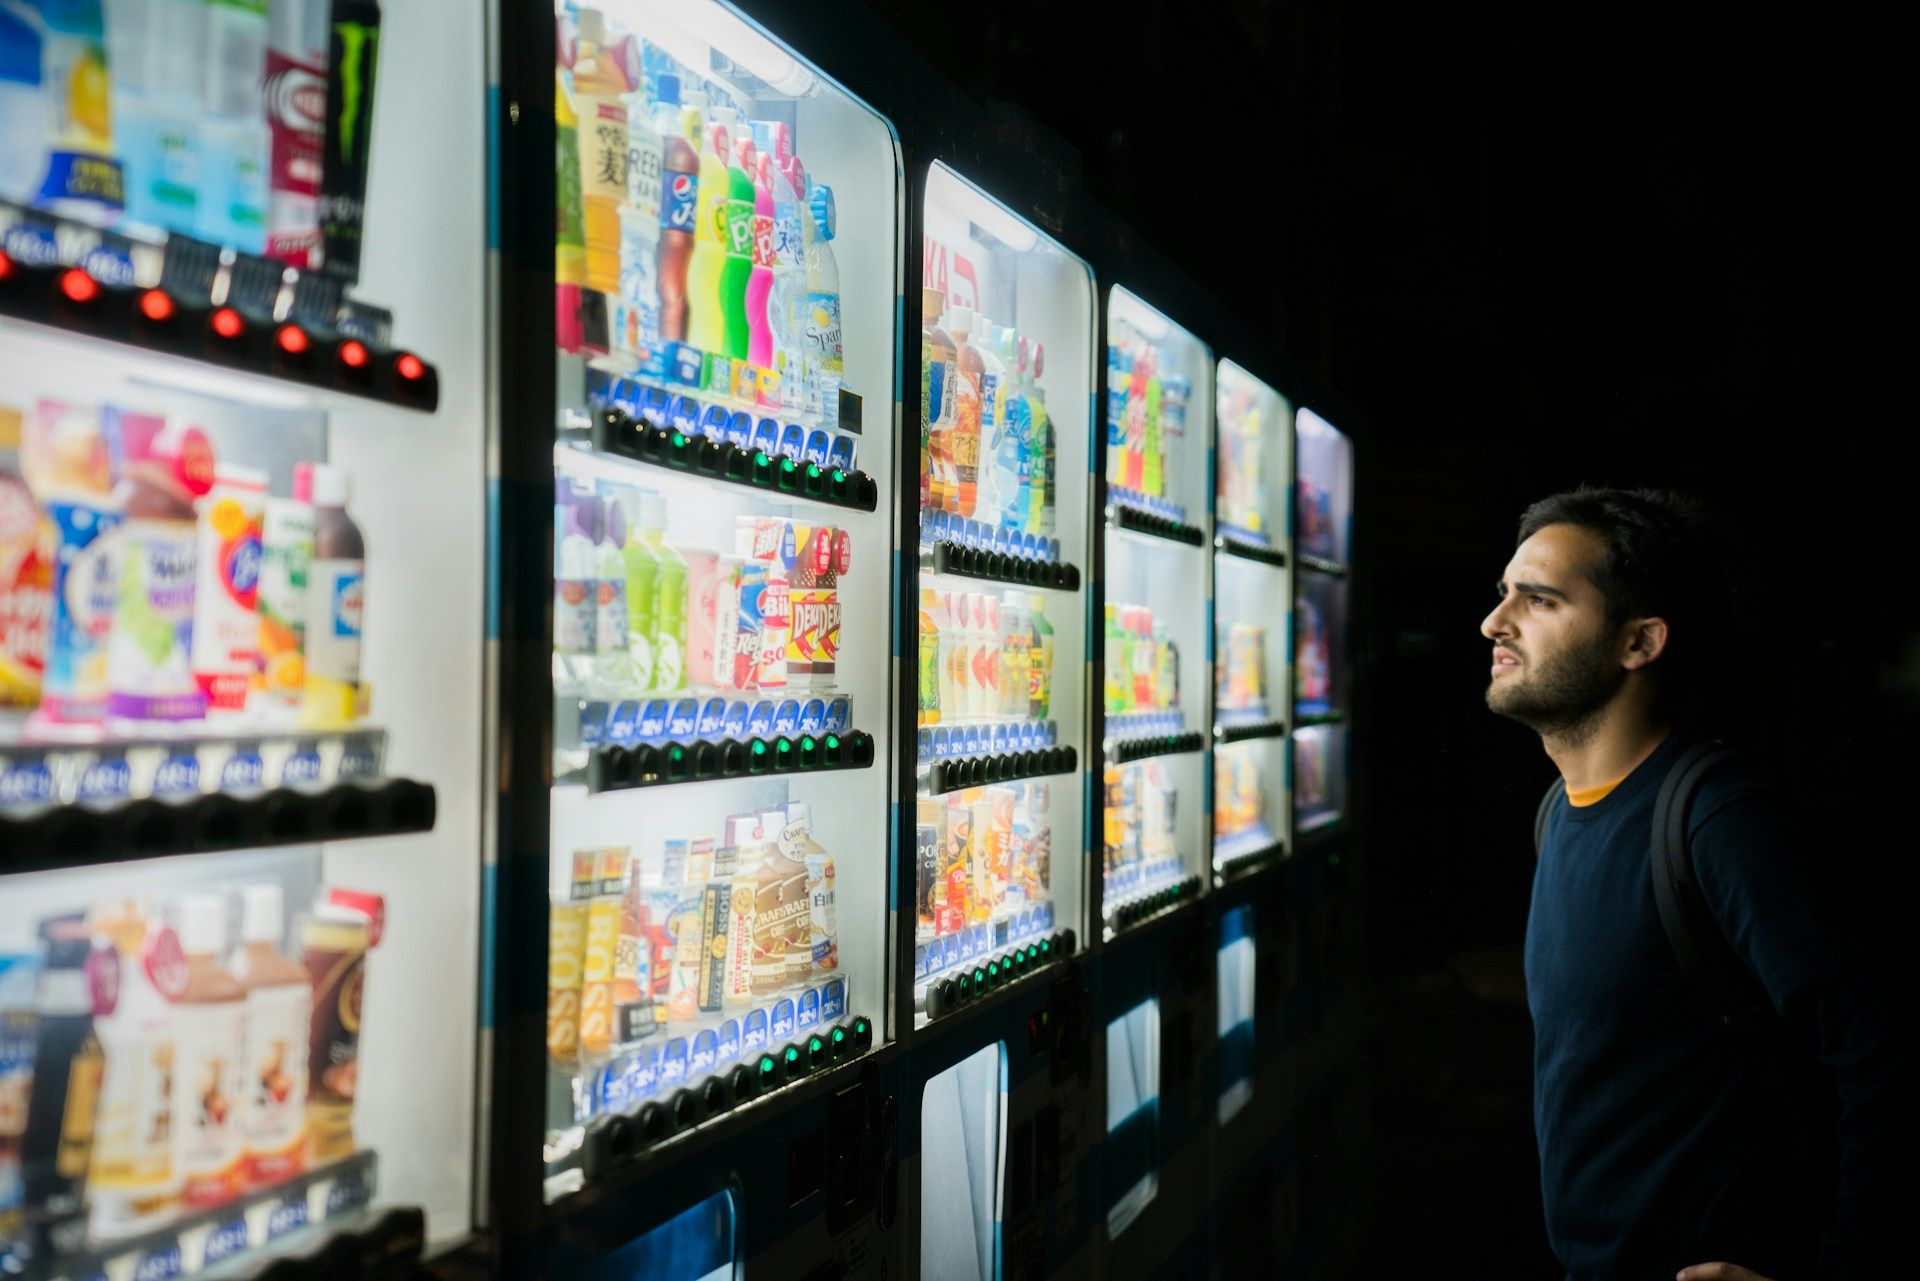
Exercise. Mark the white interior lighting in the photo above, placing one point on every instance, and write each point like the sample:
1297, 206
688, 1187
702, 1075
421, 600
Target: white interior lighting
958, 196
1308, 423
719, 27
1124, 308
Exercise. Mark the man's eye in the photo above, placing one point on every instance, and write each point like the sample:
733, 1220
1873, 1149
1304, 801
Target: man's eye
1541, 601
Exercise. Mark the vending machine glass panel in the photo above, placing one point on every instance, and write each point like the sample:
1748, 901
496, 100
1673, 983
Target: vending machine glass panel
1236, 963
1319, 776
1006, 334
1130, 1158
241, 645
1252, 578
1155, 644
962, 1133
1323, 491
698, 1244
727, 263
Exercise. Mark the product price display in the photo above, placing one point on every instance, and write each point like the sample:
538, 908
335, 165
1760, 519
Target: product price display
1157, 687
1005, 323
722, 589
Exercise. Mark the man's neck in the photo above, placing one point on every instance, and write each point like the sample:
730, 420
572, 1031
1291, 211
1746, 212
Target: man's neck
1606, 749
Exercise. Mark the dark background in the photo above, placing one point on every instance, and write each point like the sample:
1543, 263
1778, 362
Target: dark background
1534, 248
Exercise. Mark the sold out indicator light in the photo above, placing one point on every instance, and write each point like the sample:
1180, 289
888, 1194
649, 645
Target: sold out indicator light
227, 323
157, 306
292, 340
354, 355
78, 286
6, 266
410, 367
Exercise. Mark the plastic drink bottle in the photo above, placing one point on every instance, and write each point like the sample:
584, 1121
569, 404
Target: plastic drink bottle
83, 177
737, 266
953, 660
603, 140
1046, 483
273, 1078
575, 623
707, 324
986, 656
679, 198
209, 1019
149, 649
336, 594
669, 606
569, 241
234, 138
613, 661
760, 275
157, 49
1016, 416
789, 261
825, 358
226, 620
1040, 658
1000, 456
937, 395
132, 1181
1015, 644
296, 98
637, 311
929, 657
966, 419
642, 563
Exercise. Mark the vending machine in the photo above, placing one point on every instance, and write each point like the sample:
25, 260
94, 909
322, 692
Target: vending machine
1155, 594
704, 478
1000, 1077
241, 642
1155, 1007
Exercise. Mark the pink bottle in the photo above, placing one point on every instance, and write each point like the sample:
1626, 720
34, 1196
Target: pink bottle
760, 281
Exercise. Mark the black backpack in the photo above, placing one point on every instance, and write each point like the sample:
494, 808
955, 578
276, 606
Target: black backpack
1698, 945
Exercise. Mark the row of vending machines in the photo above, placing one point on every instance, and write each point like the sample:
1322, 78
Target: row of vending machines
543, 734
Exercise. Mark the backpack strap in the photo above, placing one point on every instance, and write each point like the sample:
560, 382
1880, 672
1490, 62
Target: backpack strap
1554, 789
1695, 937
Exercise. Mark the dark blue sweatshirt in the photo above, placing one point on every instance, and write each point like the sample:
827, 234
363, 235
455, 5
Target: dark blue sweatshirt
1663, 1142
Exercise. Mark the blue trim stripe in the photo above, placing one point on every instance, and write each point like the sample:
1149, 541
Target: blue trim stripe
489, 926
493, 168
493, 584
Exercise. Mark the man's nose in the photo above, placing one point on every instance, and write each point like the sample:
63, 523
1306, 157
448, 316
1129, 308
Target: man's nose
1494, 625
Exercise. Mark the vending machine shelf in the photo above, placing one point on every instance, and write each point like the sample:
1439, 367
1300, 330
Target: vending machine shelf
636, 1126
1237, 545
1318, 826
960, 561
1239, 731
1127, 750
1144, 905
663, 764
942, 776
162, 319
1133, 520
282, 1215
787, 477
1321, 565
1236, 858
991, 974
201, 756
1319, 716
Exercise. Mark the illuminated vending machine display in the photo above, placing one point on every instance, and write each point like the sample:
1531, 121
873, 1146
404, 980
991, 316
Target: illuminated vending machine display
1154, 646
1323, 505
1006, 333
1252, 582
240, 644
723, 521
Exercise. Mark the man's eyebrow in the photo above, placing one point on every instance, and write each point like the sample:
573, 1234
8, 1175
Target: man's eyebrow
1539, 589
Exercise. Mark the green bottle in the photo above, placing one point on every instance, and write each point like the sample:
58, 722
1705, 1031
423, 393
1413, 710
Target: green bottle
1119, 675
1040, 657
642, 567
669, 600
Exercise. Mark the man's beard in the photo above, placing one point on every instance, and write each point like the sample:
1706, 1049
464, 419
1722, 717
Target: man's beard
1563, 696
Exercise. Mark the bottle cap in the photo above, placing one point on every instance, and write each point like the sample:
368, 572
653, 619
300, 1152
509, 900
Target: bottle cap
800, 812
331, 487
240, 476
824, 215
203, 924
262, 914
667, 88
960, 322
303, 482
933, 303
1039, 604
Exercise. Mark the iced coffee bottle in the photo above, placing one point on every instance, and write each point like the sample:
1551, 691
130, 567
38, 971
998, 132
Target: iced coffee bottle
209, 1018
273, 1099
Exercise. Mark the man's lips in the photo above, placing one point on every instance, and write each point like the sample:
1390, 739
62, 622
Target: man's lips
1505, 660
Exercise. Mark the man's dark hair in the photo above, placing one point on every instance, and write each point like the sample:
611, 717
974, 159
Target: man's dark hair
1665, 557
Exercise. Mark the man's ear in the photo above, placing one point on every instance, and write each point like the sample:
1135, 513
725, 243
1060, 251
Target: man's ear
1644, 639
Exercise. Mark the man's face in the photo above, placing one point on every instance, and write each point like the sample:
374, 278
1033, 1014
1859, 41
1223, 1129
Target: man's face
1554, 659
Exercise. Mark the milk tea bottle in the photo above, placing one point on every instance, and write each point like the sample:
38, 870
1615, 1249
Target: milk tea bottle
279, 1005
209, 1020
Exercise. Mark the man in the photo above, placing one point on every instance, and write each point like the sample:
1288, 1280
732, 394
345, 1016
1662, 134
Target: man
1669, 1145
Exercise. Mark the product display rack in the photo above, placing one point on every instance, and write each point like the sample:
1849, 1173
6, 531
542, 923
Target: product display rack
1154, 600
160, 299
